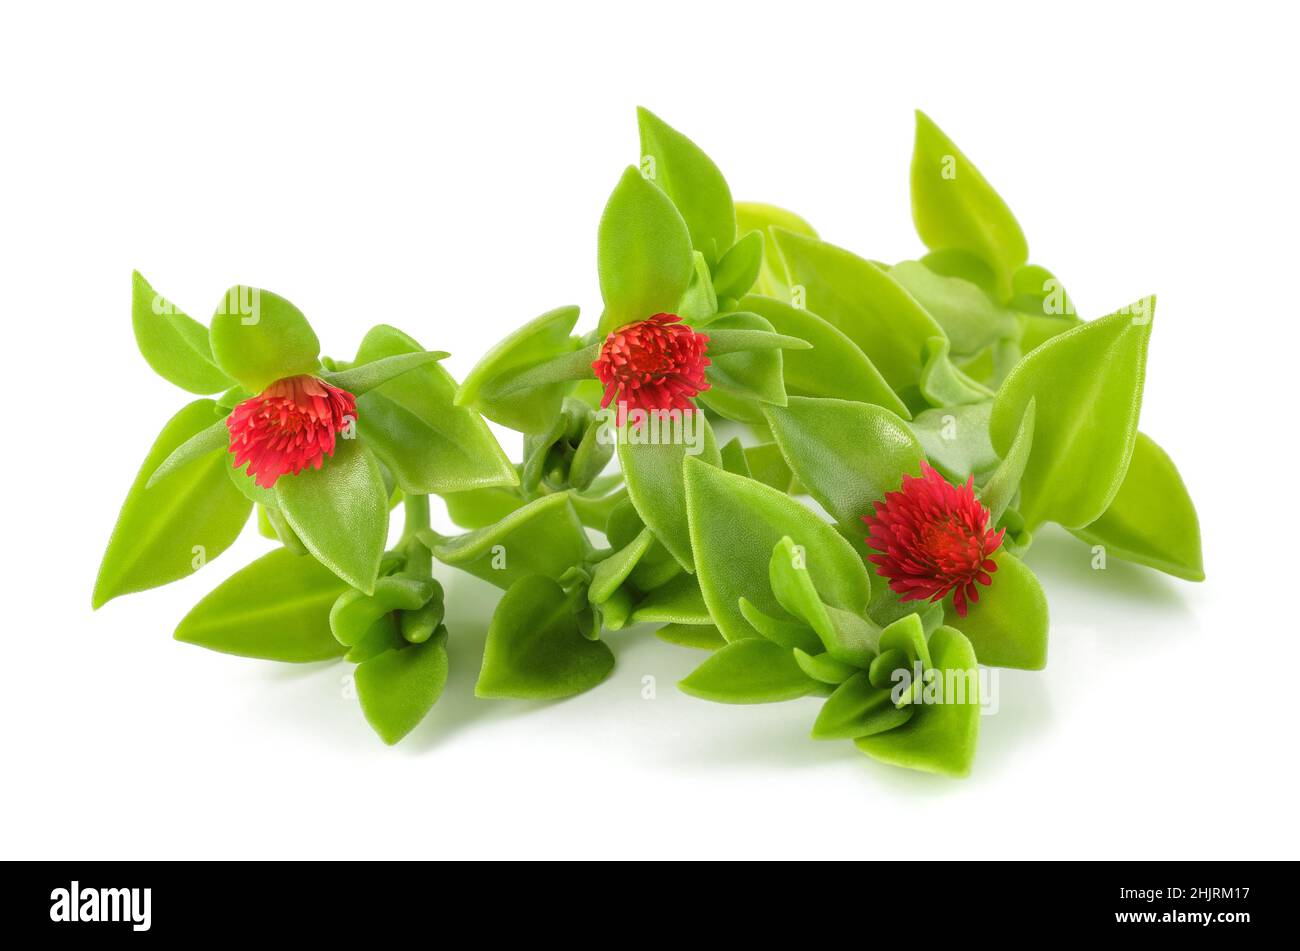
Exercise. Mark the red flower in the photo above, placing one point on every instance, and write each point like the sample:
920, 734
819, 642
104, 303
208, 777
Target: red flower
653, 364
289, 426
935, 539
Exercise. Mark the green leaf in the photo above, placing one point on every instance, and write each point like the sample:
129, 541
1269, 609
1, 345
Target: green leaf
739, 267
653, 473
1004, 483
848, 455
678, 602
355, 612
768, 466
543, 538
258, 337
699, 636
692, 181
969, 316
1151, 520
276, 608
734, 525
865, 303
530, 411
478, 508
1007, 626
824, 667
846, 637
174, 344
834, 367
943, 384
643, 253
956, 440
940, 737
857, 709
955, 208
169, 531
773, 279
209, 439
781, 630
757, 337
535, 649
340, 511
428, 443
362, 378
399, 687
749, 671
1088, 387
613, 571
753, 374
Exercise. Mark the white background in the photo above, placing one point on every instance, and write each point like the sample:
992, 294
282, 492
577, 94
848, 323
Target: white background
442, 167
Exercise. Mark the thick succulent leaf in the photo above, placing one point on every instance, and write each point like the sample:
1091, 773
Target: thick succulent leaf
487, 388
847, 454
412, 423
865, 303
613, 571
340, 511
955, 208
362, 378
1151, 520
1088, 387
215, 436
535, 649
643, 253
768, 466
1007, 626
749, 671
857, 708
789, 633
773, 279
734, 525
679, 601
939, 738
739, 268
956, 440
276, 608
355, 612
398, 687
478, 508
170, 530
969, 316
692, 181
653, 474
258, 337
943, 384
174, 344
845, 636
824, 667
1002, 486
750, 374
834, 366
543, 538
704, 637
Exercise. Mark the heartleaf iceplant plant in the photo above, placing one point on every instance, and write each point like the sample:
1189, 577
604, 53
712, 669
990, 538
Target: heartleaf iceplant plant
939, 411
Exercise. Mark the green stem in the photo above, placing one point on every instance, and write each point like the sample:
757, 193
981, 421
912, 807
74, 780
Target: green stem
419, 560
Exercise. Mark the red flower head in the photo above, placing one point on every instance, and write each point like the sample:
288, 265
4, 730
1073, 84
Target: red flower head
935, 538
289, 426
653, 364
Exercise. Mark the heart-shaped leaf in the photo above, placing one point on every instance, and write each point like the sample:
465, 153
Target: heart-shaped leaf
535, 649
749, 671
1151, 520
276, 608
399, 687
1088, 386
174, 344
340, 511
170, 530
